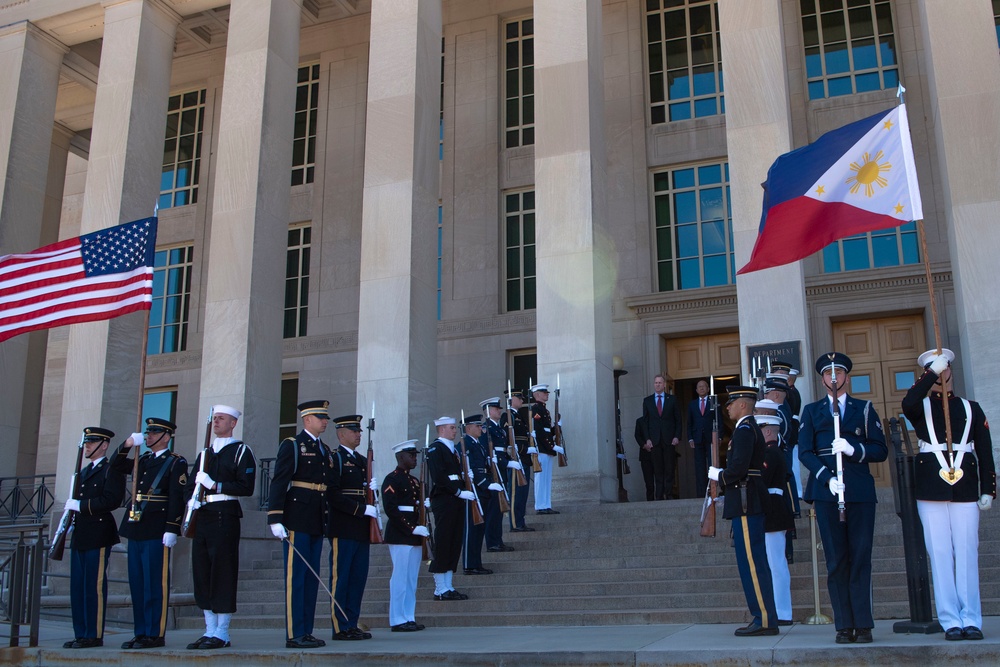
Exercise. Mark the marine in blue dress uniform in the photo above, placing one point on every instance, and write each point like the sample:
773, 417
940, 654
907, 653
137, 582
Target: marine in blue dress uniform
151, 524
495, 438
403, 534
350, 525
518, 494
100, 491
475, 449
448, 498
299, 515
949, 505
746, 498
848, 545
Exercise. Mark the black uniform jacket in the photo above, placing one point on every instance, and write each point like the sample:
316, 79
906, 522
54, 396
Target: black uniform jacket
520, 435
401, 502
476, 451
978, 470
778, 511
302, 473
541, 424
445, 470
163, 510
744, 465
101, 490
234, 470
346, 494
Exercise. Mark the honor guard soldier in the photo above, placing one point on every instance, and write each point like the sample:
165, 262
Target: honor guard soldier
952, 485
518, 494
404, 535
496, 443
475, 449
544, 437
448, 499
229, 474
100, 491
847, 544
298, 513
350, 524
746, 498
777, 516
151, 524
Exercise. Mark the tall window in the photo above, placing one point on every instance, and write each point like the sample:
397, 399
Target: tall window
288, 413
685, 63
523, 368
849, 47
519, 83
872, 250
519, 265
304, 141
297, 281
694, 227
182, 149
168, 316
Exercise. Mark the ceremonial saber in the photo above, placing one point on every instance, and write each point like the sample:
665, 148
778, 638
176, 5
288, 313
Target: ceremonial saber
841, 507
315, 574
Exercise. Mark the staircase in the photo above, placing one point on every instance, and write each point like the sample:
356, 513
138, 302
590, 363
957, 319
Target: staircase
614, 564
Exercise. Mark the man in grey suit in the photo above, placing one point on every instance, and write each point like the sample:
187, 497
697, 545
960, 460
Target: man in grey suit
661, 419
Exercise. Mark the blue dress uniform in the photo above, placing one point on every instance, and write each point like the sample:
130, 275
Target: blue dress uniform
949, 512
158, 508
472, 553
541, 426
746, 498
100, 491
518, 494
847, 546
298, 501
401, 498
495, 438
349, 534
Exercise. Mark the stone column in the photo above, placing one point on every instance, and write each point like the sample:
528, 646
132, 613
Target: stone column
241, 360
758, 129
574, 251
123, 182
397, 327
29, 63
963, 81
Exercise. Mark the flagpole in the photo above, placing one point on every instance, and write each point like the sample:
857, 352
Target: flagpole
138, 418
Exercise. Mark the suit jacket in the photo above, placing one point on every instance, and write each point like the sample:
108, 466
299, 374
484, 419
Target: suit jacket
101, 491
816, 440
699, 426
661, 429
308, 461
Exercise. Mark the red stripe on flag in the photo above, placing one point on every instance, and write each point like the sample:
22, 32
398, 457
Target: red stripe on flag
78, 303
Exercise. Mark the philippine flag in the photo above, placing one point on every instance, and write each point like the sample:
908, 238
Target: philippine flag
855, 179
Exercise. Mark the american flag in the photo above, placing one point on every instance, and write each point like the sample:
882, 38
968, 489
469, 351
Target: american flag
93, 277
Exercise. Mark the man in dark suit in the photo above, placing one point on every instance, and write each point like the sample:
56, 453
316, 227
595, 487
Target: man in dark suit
661, 419
645, 457
700, 416
859, 440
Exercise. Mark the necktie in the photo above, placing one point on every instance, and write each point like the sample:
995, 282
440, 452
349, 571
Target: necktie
702, 401
659, 404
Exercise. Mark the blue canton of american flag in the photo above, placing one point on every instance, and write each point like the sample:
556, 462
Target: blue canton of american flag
96, 276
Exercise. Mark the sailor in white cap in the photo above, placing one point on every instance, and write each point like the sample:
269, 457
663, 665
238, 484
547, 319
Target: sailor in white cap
777, 515
228, 473
448, 497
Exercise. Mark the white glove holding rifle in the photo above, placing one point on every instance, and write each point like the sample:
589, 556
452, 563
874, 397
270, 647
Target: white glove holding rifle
836, 486
516, 465
72, 505
466, 495
495, 487
841, 446
372, 511
421, 531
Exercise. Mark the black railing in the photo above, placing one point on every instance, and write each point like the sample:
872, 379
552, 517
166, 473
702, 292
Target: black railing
27, 498
21, 562
264, 482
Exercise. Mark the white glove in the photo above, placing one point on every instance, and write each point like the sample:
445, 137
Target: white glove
138, 439
836, 486
372, 511
495, 487
74, 505
939, 364
421, 531
194, 504
427, 503
516, 465
842, 446
169, 540
279, 531
559, 423
466, 495
203, 479
713, 473
532, 450
985, 502
558, 449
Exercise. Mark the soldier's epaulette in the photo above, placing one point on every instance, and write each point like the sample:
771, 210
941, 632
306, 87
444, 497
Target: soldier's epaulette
744, 424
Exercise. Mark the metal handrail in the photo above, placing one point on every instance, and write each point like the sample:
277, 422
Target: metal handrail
26, 497
21, 580
264, 482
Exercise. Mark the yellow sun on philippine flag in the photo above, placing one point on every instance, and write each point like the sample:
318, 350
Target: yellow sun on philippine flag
868, 174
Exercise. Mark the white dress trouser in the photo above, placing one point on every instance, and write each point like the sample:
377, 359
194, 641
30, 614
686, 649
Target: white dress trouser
543, 483
781, 579
403, 583
951, 535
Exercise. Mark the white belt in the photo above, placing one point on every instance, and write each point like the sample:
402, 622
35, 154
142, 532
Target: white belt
453, 478
219, 497
499, 449
406, 508
926, 447
776, 492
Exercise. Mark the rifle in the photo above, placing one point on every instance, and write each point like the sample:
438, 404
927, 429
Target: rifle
497, 478
371, 498
426, 543
712, 492
198, 497
536, 465
477, 509
841, 507
58, 544
557, 431
519, 477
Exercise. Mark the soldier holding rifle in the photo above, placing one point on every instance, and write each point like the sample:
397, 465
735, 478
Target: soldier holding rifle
404, 534
520, 464
448, 499
954, 481
841, 428
543, 433
496, 444
478, 460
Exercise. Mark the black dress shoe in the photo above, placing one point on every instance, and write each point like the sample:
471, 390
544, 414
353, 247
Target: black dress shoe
305, 641
451, 595
845, 636
755, 630
972, 632
478, 570
359, 633
150, 642
863, 635
499, 549
133, 642
198, 642
409, 626
785, 623
348, 636
84, 642
70, 643
213, 643
954, 634
420, 626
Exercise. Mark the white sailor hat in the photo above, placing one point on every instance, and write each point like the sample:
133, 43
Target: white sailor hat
766, 404
767, 420
493, 402
539, 387
793, 371
927, 357
226, 410
444, 421
405, 446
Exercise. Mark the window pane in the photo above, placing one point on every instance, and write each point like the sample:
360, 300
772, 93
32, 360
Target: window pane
715, 271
